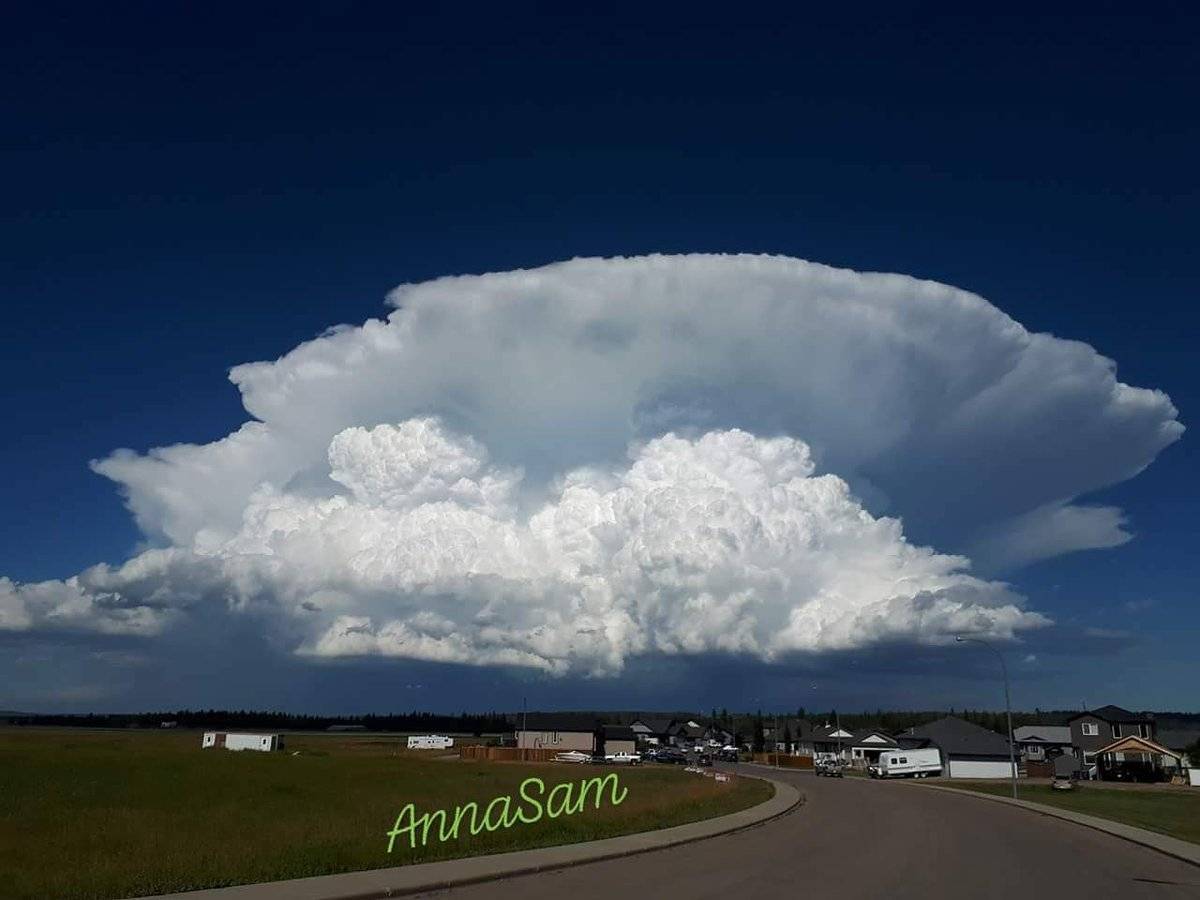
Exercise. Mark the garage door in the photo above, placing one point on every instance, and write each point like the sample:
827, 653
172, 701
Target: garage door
971, 768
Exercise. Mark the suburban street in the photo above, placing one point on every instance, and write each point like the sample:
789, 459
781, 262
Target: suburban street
857, 838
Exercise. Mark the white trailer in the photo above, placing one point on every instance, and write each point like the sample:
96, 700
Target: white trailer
909, 763
241, 741
430, 742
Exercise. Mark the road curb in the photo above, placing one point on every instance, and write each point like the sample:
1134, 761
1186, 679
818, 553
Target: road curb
399, 881
1173, 847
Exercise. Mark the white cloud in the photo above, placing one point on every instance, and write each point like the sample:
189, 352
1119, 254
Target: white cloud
352, 521
722, 543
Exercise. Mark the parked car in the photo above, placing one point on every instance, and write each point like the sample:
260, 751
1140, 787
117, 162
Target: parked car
704, 759
670, 756
727, 754
831, 768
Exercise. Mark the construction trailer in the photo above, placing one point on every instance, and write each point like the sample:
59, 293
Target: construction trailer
242, 741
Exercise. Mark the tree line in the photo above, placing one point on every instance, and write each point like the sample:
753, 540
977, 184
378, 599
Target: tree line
225, 719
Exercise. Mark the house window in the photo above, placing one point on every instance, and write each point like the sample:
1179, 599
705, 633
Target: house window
1116, 730
903, 760
1144, 731
1089, 757
1090, 729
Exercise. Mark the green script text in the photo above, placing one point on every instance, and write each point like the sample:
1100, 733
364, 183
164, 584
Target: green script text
564, 799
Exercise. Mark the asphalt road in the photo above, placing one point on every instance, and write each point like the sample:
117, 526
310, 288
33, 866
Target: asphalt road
855, 838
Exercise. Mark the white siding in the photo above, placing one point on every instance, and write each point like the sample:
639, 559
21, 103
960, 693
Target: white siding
264, 742
974, 768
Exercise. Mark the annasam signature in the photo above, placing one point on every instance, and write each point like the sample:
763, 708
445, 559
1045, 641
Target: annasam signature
527, 807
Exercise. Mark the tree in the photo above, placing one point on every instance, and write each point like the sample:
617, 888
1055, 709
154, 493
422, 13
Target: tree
760, 739
1192, 752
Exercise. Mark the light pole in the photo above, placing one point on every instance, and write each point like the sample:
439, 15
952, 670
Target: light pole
1012, 761
776, 737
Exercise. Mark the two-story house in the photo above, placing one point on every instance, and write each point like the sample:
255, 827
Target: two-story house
1097, 728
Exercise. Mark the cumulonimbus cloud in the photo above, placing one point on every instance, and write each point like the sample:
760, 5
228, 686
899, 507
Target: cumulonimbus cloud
726, 542
453, 482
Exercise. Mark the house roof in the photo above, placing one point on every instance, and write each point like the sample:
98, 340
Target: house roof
1179, 738
618, 733
657, 725
1112, 713
1134, 744
959, 737
831, 734
872, 737
557, 722
1042, 734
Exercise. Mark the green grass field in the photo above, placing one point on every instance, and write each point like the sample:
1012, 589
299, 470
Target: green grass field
1167, 812
113, 814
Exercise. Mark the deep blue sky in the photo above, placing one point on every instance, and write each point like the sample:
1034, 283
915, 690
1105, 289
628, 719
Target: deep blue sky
190, 187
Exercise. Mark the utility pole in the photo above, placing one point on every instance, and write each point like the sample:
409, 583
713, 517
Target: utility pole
776, 737
1012, 760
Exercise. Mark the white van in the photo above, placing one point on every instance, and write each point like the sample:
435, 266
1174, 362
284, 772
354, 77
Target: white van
908, 764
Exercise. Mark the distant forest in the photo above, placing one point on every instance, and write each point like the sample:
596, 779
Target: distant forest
223, 719
742, 724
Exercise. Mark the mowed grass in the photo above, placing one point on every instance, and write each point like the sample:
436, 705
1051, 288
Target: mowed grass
1167, 812
111, 814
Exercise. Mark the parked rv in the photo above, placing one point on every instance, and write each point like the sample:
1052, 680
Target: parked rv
908, 764
430, 742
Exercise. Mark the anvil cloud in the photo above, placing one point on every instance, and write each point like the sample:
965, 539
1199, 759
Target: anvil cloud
565, 467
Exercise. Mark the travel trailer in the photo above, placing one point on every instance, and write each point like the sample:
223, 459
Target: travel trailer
430, 742
908, 764
231, 741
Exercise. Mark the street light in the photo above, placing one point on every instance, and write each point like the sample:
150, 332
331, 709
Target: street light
1012, 761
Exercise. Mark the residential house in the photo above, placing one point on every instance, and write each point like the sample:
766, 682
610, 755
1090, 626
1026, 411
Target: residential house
865, 746
716, 736
795, 737
652, 731
830, 741
686, 735
967, 750
618, 739
1134, 758
558, 731
1038, 743
1095, 729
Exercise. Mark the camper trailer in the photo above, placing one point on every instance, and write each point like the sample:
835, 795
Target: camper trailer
908, 764
230, 741
430, 742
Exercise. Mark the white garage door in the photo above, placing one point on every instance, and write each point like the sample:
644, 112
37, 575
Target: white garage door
971, 768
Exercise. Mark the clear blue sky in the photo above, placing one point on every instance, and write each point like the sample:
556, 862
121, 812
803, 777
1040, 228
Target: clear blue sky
189, 188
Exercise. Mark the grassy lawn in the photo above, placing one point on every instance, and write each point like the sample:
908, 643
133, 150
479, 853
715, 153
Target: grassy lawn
1167, 812
113, 814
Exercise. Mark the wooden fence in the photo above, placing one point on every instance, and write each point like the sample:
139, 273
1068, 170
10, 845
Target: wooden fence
482, 753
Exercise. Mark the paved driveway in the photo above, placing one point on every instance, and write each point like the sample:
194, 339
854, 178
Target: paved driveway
855, 838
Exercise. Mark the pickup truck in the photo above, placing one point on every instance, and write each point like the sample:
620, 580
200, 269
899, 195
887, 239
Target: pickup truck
625, 759
829, 767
